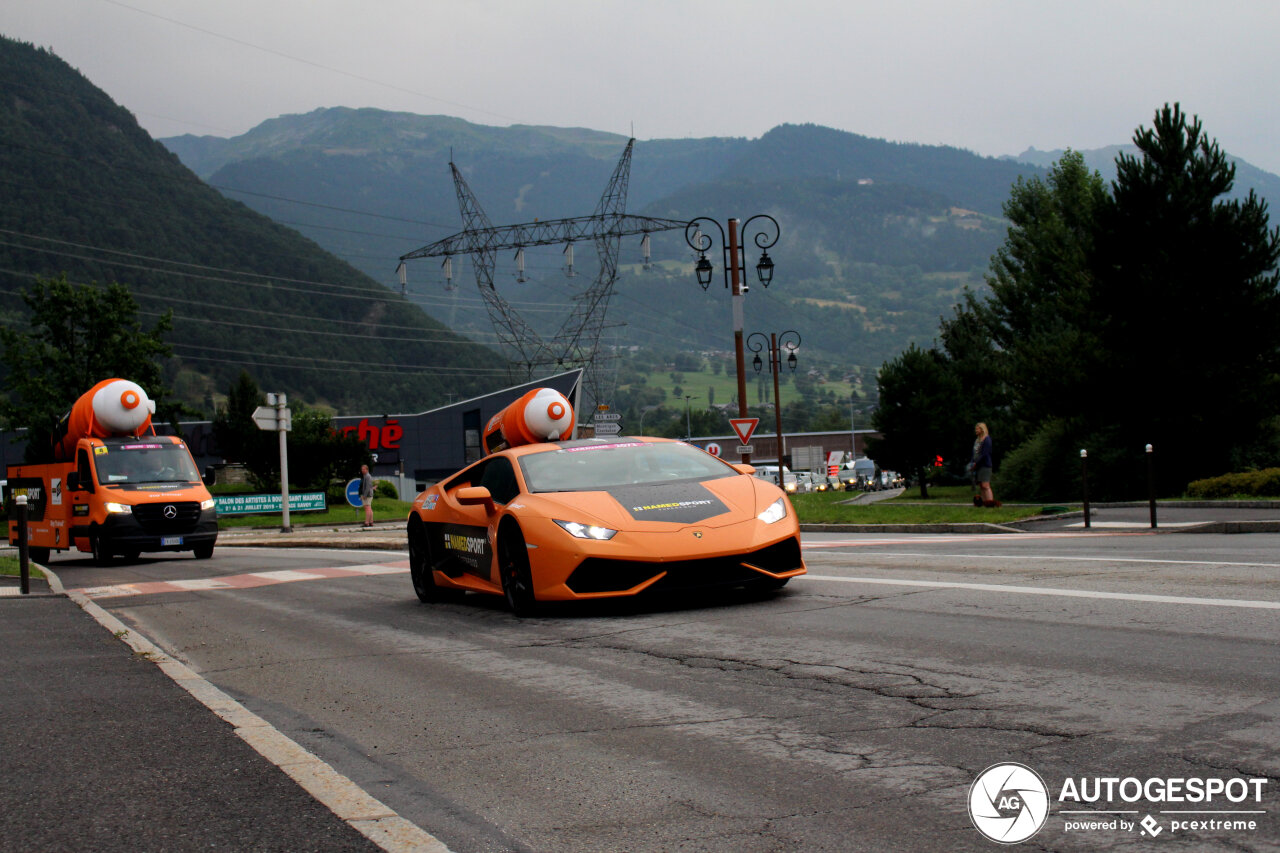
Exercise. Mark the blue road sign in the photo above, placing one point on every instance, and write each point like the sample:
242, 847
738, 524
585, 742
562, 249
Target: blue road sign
353, 493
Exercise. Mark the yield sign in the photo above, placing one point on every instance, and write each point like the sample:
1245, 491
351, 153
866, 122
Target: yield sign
744, 427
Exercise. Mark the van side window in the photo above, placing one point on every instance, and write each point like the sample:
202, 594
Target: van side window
83, 470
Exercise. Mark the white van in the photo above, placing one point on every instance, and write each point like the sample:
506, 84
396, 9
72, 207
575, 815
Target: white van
789, 483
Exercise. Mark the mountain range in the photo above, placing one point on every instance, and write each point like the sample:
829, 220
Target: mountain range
277, 249
878, 238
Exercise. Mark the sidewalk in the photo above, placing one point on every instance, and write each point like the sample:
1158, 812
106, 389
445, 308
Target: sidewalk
110, 745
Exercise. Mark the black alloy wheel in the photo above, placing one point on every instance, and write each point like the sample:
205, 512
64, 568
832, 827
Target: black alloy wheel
517, 577
423, 557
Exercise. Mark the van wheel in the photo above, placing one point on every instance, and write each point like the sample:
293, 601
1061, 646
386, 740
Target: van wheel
203, 552
132, 555
101, 551
38, 555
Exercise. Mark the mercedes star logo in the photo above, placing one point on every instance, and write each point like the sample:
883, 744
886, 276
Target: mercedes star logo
170, 511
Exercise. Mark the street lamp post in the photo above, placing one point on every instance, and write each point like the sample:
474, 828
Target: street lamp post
791, 340
644, 410
688, 424
733, 253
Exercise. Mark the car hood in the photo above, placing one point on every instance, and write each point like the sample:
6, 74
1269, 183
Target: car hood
657, 506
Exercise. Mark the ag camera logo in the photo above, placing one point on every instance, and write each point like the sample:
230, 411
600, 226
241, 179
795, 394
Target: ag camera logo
1008, 803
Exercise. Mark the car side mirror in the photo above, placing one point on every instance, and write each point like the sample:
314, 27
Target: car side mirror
476, 496
743, 468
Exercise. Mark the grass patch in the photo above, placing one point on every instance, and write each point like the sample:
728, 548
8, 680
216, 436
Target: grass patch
825, 508
9, 568
384, 509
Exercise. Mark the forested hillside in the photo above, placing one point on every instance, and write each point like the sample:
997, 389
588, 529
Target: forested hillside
88, 193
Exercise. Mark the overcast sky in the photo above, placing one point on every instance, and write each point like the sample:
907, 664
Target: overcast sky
993, 77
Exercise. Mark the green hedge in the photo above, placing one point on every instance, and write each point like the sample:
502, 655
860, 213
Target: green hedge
1264, 483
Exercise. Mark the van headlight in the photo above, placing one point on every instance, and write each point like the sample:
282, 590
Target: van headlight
776, 512
208, 504
120, 509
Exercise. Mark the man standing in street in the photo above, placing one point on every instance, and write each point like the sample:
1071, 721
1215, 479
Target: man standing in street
366, 494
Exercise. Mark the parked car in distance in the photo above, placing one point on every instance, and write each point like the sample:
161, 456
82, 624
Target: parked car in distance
789, 484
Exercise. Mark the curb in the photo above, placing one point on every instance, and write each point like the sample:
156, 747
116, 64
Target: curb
957, 527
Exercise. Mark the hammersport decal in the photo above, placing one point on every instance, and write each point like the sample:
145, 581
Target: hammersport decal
469, 546
679, 503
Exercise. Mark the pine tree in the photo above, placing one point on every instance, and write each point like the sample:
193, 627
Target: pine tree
1190, 313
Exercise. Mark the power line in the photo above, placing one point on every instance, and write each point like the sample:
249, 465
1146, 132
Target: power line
460, 371
331, 207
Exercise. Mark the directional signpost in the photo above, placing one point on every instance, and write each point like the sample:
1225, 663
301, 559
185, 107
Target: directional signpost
276, 416
606, 422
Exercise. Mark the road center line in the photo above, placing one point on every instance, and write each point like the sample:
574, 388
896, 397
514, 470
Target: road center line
1068, 593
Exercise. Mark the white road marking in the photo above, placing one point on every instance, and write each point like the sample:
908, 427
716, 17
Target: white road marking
1068, 593
1048, 557
351, 803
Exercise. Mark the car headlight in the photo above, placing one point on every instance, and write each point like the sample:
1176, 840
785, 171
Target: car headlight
586, 531
791, 487
776, 512
208, 504
124, 509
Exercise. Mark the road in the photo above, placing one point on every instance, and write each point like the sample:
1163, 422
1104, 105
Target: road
854, 710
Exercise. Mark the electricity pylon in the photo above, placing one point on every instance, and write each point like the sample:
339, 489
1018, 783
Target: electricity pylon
577, 343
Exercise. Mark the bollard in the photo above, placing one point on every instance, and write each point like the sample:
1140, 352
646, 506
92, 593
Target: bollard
24, 564
1084, 484
1151, 485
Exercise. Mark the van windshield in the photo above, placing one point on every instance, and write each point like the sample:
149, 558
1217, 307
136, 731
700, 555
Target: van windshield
144, 462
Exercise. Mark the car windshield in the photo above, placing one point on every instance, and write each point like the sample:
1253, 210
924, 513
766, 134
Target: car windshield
145, 462
595, 467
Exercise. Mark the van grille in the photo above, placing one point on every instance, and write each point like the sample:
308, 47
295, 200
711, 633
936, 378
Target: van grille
167, 517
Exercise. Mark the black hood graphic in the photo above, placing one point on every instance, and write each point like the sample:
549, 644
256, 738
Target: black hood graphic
679, 503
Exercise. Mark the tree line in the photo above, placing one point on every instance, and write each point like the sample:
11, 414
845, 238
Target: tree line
82, 334
1140, 312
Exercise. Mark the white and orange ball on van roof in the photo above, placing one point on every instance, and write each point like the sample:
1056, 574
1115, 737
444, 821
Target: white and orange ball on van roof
113, 407
543, 414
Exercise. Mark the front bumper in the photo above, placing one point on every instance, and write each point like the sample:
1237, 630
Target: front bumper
124, 532
631, 563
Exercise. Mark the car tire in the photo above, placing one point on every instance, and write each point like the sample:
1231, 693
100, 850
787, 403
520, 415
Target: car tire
131, 555
423, 556
513, 565
101, 552
38, 555
203, 552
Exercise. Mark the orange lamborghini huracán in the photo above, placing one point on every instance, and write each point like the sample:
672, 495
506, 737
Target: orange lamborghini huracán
542, 518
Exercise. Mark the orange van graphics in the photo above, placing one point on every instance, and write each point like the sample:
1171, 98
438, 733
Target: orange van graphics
114, 487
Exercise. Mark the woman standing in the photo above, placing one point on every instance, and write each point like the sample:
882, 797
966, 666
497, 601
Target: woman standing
981, 466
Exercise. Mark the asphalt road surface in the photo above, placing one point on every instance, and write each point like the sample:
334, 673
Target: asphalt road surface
855, 710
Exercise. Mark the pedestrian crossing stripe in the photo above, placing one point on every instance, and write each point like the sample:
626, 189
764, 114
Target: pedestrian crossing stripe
244, 581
